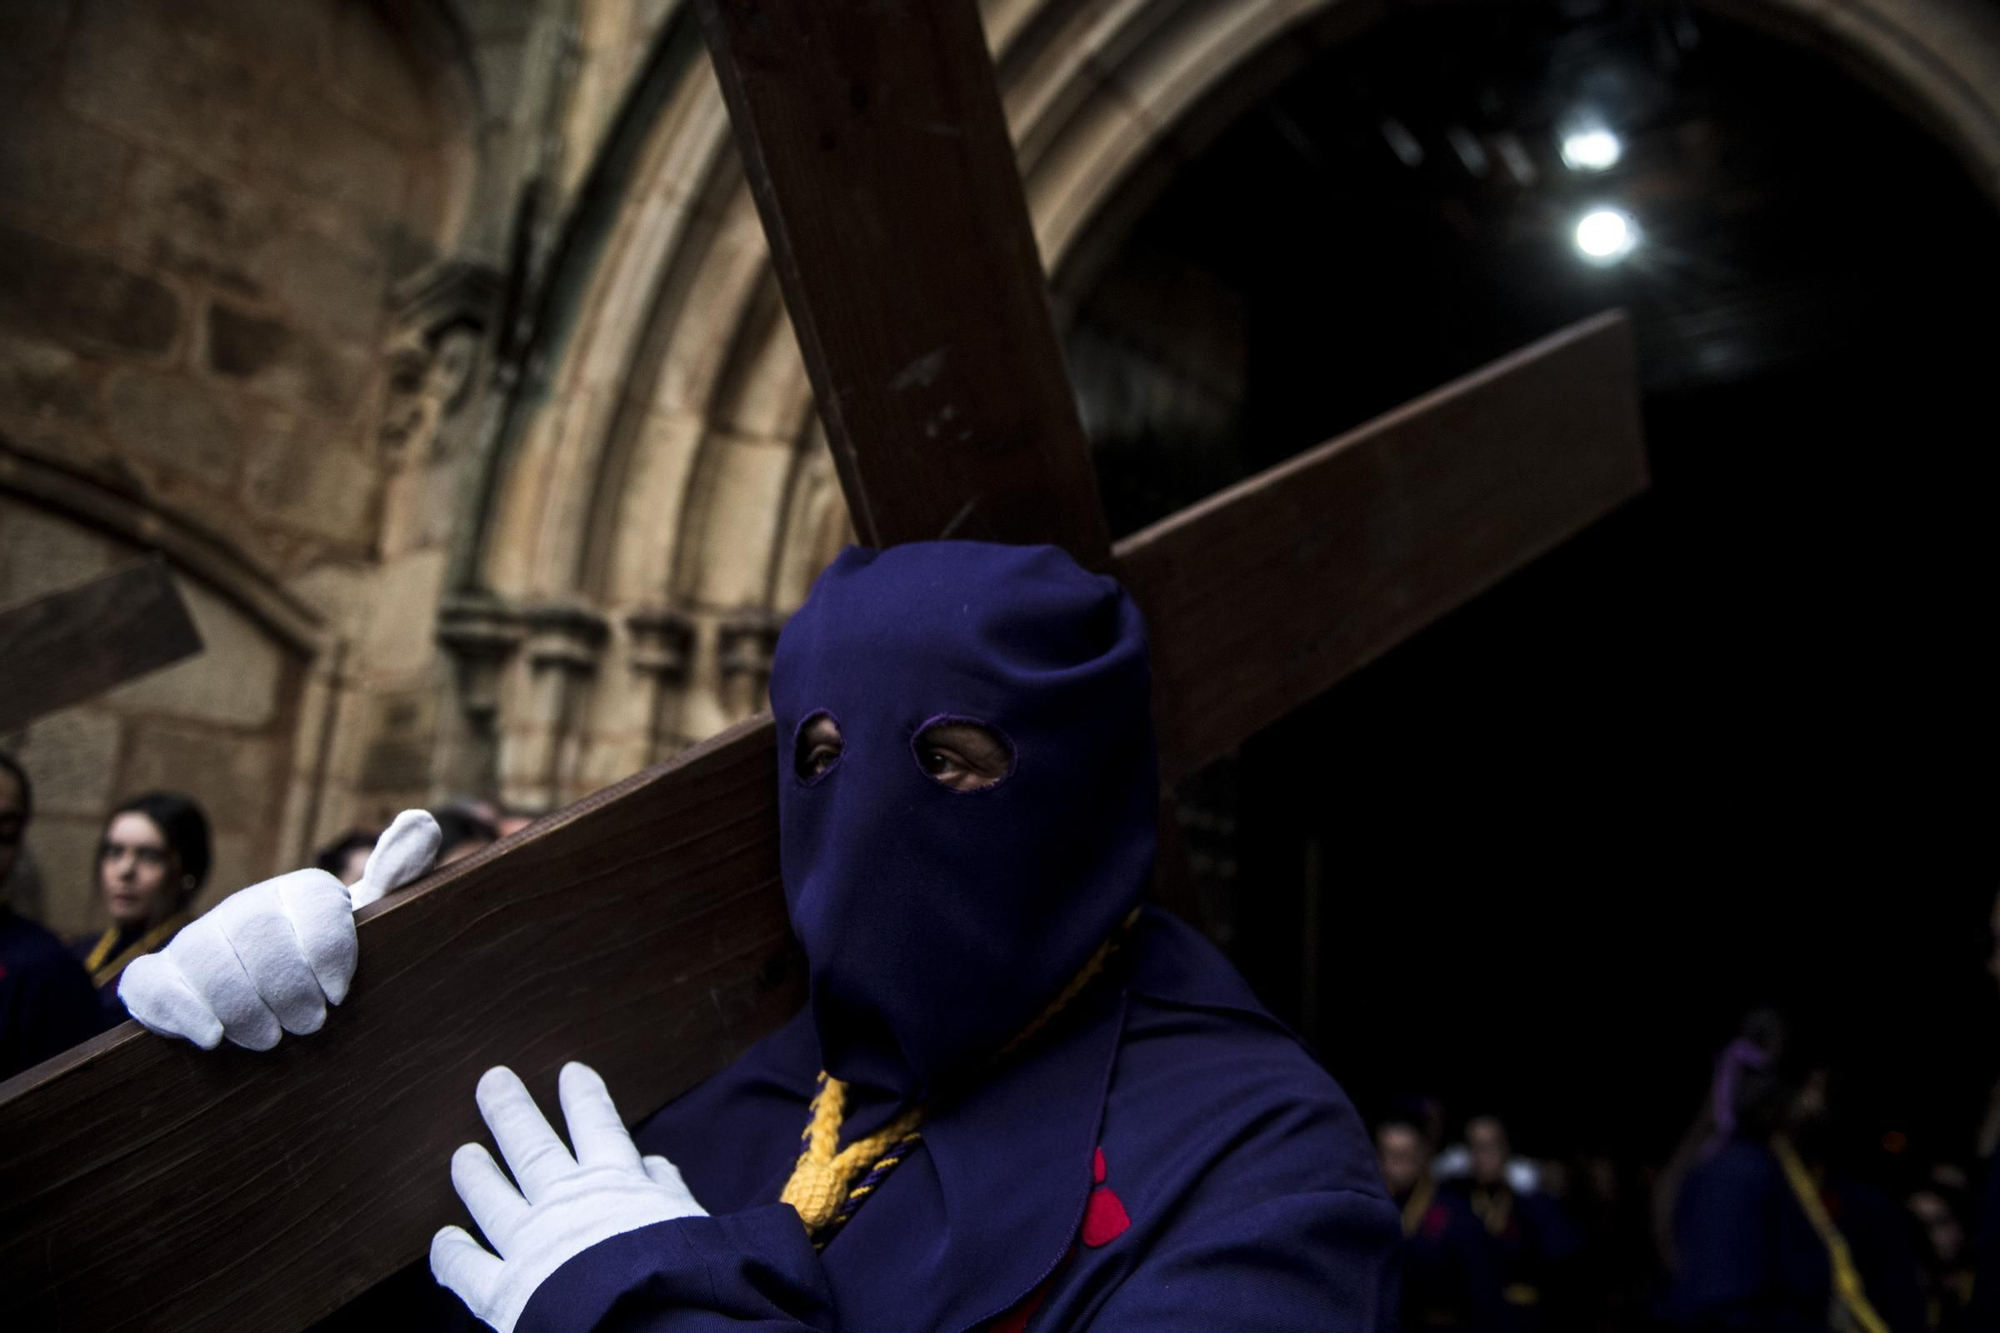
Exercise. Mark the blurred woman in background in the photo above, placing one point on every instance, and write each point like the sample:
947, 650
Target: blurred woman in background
347, 856
151, 863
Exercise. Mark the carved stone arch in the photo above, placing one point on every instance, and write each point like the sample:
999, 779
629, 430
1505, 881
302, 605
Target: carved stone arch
816, 525
604, 445
1938, 61
762, 402
610, 367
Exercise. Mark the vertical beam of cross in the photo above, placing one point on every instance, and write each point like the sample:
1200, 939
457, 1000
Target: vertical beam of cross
889, 193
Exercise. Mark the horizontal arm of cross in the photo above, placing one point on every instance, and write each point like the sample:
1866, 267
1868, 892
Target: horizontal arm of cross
71, 646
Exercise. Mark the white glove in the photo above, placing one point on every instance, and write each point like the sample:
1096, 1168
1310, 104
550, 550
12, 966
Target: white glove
269, 959
564, 1205
405, 852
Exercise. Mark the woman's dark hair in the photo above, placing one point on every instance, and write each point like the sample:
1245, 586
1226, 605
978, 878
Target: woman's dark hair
1398, 1118
180, 822
332, 858
458, 826
13, 765
1766, 1090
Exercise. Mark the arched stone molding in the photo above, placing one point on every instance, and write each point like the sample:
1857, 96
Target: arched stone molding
1938, 61
816, 524
144, 524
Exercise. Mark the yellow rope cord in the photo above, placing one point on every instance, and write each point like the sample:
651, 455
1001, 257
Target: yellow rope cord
1846, 1279
102, 972
1419, 1203
825, 1171
1493, 1208
819, 1182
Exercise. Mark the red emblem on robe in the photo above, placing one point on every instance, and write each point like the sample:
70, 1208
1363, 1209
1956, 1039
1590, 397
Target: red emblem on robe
1104, 1220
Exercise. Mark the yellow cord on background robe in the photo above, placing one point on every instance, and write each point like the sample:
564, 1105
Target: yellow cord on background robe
1419, 1203
825, 1171
1846, 1278
102, 972
1493, 1208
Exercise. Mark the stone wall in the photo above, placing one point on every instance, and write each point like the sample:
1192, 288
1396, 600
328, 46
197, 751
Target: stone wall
205, 206
205, 209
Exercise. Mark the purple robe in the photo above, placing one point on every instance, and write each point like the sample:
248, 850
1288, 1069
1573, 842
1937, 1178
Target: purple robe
1244, 1181
1238, 1189
1749, 1258
47, 1004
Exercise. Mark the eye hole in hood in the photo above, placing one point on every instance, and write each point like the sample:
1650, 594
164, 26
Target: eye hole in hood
816, 746
962, 754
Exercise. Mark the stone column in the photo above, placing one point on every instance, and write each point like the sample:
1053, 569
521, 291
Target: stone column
662, 643
746, 643
565, 640
482, 633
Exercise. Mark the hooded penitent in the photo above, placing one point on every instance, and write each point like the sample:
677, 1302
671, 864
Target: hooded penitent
937, 923
1161, 1155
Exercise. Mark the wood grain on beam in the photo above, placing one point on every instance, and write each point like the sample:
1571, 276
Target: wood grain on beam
147, 1184
74, 645
875, 145
1265, 594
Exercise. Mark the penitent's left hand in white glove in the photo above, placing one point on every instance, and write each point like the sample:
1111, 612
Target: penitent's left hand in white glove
269, 959
565, 1204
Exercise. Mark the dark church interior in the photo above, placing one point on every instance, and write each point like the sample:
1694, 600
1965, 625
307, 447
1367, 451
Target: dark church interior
1723, 749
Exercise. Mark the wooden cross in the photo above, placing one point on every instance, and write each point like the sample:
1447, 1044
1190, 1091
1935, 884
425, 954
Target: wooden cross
74, 645
143, 1182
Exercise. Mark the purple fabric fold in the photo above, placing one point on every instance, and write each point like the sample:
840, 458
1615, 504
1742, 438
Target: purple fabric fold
1736, 1057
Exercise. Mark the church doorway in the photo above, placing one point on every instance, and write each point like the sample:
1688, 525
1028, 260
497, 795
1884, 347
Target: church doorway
1725, 748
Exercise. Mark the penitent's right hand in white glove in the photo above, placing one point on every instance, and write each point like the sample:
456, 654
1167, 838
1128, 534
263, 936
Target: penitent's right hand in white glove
269, 959
559, 1203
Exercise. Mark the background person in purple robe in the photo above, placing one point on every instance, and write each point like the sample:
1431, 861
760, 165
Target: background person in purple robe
1530, 1247
1448, 1272
1762, 1223
47, 1004
1018, 1098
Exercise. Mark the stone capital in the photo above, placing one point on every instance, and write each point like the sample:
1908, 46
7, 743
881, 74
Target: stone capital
567, 636
662, 643
747, 641
482, 633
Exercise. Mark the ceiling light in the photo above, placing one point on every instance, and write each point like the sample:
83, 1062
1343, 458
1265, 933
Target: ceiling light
1606, 235
1592, 150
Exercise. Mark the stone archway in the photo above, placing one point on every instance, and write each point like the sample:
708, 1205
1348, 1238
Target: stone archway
665, 501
